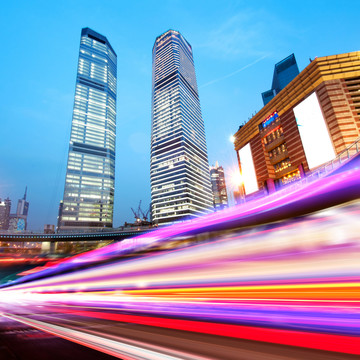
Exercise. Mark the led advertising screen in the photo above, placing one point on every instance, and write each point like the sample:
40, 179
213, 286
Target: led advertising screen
248, 170
314, 133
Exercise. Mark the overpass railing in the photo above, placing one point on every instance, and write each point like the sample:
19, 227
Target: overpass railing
77, 232
340, 160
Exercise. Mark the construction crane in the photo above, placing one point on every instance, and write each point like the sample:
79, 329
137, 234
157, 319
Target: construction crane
137, 213
141, 217
145, 216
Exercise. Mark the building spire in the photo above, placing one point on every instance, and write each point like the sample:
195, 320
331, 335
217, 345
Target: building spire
25, 192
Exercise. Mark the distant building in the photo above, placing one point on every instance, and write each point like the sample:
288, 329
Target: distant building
179, 170
17, 222
5, 207
285, 71
268, 95
313, 120
61, 206
49, 229
88, 200
23, 206
217, 178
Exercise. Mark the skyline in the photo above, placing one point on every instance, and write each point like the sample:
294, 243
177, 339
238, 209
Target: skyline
233, 68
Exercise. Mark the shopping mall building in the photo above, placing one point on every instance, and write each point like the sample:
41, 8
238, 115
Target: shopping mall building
306, 125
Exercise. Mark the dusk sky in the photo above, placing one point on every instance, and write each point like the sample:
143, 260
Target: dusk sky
235, 46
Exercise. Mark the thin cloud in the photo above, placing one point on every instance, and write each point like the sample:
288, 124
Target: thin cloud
243, 35
233, 73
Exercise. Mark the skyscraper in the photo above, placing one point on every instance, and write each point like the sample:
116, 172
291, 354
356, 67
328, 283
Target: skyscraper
18, 221
90, 176
217, 178
5, 207
179, 170
23, 206
285, 71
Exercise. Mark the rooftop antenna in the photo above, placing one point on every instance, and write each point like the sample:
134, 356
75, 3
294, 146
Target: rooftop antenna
25, 192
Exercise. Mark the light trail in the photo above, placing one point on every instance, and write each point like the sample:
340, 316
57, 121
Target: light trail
117, 348
293, 282
325, 192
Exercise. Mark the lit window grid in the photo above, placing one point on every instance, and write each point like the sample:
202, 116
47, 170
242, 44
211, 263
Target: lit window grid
199, 170
217, 177
171, 121
172, 53
191, 184
190, 119
93, 124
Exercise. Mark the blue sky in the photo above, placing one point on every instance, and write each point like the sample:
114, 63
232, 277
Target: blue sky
235, 46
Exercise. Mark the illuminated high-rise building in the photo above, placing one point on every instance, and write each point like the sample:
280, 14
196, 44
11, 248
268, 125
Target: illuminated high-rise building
90, 177
217, 178
179, 171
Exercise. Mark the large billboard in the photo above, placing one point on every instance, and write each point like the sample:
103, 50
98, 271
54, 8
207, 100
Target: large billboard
248, 170
314, 133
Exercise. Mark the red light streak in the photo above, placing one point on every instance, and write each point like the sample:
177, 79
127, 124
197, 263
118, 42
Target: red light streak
328, 342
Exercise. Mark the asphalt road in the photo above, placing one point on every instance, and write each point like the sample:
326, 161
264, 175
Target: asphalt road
23, 342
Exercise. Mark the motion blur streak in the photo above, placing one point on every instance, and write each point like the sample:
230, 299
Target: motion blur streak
290, 202
108, 346
292, 282
328, 342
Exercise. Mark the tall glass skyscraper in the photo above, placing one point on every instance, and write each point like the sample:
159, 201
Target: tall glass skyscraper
285, 71
89, 185
179, 170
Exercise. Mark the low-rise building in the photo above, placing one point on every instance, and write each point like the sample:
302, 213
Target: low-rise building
307, 124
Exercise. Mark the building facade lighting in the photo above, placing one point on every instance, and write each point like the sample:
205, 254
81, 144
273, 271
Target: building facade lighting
90, 177
179, 170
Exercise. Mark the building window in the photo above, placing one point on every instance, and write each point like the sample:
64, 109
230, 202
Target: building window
282, 165
278, 150
292, 177
274, 135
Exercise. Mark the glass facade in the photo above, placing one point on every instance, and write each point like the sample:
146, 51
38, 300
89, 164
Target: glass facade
267, 96
179, 170
90, 177
285, 71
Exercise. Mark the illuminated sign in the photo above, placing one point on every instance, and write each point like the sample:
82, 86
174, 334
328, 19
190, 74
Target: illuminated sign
270, 119
313, 131
248, 170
